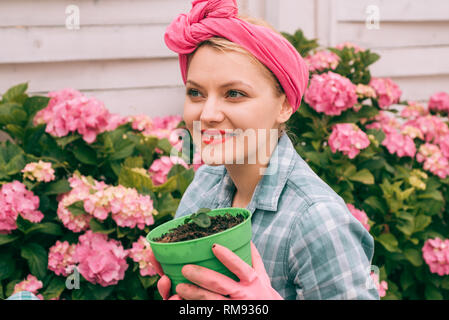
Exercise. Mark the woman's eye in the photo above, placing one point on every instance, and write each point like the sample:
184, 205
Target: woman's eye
235, 93
192, 92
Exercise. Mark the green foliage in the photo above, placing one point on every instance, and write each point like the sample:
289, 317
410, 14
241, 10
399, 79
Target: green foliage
200, 218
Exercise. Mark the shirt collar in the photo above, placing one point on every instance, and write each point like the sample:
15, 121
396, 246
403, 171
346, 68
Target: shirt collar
268, 190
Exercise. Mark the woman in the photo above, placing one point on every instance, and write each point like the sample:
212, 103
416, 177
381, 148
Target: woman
243, 77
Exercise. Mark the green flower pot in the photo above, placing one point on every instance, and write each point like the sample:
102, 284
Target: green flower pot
174, 255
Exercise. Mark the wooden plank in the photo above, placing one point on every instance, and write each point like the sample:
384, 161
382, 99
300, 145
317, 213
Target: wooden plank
45, 44
395, 34
296, 14
402, 62
397, 10
83, 75
421, 88
155, 102
99, 12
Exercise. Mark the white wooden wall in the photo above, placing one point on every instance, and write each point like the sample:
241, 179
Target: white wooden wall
118, 55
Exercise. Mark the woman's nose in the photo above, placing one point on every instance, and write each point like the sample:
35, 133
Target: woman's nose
211, 111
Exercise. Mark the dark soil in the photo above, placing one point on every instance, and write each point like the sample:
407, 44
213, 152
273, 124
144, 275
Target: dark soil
191, 230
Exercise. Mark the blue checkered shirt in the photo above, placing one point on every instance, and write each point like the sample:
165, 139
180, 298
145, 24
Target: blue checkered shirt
23, 295
311, 245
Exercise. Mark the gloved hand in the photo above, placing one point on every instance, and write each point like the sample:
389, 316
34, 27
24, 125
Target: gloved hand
254, 282
164, 283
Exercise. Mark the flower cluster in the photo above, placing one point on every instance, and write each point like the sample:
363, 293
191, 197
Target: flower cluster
101, 261
349, 45
364, 91
39, 171
436, 255
359, 215
413, 110
434, 160
349, 139
31, 284
128, 208
60, 258
70, 111
140, 253
400, 144
82, 188
15, 199
384, 122
330, 93
432, 127
439, 103
322, 60
387, 91
161, 167
381, 286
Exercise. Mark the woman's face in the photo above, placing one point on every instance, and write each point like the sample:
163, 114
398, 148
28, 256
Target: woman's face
227, 91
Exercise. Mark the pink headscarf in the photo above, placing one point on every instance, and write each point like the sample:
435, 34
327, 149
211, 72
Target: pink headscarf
209, 18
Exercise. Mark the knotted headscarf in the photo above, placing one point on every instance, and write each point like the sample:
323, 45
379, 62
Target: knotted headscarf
209, 18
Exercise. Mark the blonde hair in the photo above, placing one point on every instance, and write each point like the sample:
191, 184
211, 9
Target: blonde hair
224, 44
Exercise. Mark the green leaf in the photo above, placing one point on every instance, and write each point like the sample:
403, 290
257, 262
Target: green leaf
57, 187
85, 154
164, 145
99, 292
201, 219
77, 208
12, 113
123, 149
389, 241
96, 226
363, 176
7, 265
54, 288
414, 256
34, 104
134, 162
421, 222
64, 141
16, 92
136, 178
7, 238
147, 281
432, 293
46, 228
37, 259
434, 195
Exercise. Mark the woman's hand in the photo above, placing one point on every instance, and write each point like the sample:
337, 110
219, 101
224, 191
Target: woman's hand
254, 282
164, 283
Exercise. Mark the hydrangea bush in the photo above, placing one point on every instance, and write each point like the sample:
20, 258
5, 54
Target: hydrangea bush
387, 157
79, 190
81, 187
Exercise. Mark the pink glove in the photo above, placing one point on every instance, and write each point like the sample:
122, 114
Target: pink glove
164, 283
254, 282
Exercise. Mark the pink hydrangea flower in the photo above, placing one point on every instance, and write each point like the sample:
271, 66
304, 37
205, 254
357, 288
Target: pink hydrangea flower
431, 126
400, 144
39, 171
387, 91
140, 253
101, 261
331, 93
364, 91
414, 110
322, 60
349, 139
70, 111
165, 127
439, 102
347, 44
436, 255
60, 258
160, 168
434, 160
384, 122
31, 284
127, 206
382, 286
81, 190
15, 199
359, 215
412, 132
444, 145
142, 122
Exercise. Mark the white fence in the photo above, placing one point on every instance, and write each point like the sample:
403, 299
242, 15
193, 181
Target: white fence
118, 54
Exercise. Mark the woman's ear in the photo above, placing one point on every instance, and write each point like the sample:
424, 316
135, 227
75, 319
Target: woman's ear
286, 110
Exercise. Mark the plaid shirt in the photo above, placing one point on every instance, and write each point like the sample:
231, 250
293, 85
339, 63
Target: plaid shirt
311, 245
23, 295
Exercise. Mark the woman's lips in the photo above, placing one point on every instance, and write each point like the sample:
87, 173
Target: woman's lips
215, 136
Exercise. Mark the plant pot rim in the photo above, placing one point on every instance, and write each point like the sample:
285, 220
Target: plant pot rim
218, 211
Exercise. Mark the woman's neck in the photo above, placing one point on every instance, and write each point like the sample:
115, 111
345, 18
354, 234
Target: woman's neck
246, 177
